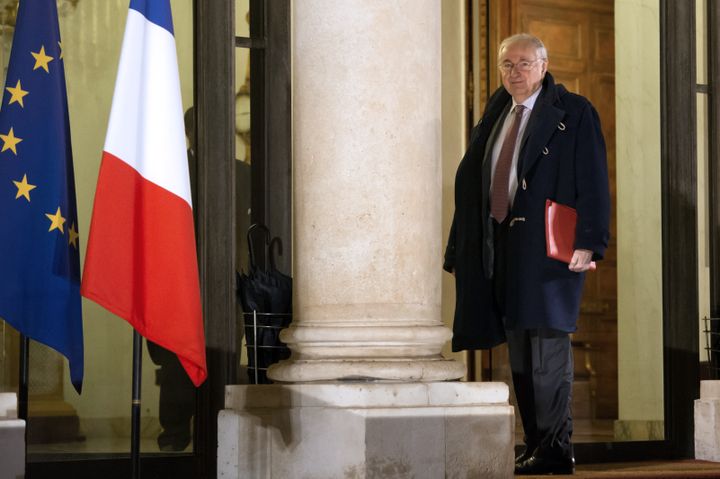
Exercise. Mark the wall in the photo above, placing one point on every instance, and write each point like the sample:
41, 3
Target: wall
640, 353
453, 134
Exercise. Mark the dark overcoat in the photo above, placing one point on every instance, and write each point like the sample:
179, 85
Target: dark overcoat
562, 157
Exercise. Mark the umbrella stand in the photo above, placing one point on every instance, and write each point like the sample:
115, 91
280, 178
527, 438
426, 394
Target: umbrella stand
264, 340
265, 295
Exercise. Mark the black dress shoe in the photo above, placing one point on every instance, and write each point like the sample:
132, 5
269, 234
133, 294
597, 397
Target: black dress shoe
538, 465
527, 454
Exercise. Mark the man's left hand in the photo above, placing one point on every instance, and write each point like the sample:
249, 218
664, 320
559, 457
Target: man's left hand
581, 261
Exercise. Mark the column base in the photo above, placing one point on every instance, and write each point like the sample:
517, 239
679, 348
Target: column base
418, 370
422, 430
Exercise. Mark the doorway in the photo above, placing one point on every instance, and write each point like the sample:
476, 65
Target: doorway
618, 347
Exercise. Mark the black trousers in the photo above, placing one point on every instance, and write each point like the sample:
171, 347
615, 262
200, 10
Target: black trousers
541, 362
542, 370
177, 399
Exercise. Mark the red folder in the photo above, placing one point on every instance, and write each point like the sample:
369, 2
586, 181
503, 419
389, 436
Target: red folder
560, 221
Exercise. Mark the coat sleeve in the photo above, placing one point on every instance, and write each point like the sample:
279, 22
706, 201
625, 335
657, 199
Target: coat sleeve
449, 263
591, 180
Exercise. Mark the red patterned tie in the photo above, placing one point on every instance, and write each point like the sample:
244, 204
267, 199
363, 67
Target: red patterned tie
499, 200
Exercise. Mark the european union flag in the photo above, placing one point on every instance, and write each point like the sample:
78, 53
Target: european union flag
39, 244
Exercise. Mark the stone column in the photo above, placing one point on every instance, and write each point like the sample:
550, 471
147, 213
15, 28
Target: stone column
367, 193
371, 394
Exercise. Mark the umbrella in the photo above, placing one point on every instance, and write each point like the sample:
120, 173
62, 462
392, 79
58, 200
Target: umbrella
266, 299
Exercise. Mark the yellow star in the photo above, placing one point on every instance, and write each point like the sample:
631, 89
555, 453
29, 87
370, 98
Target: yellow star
10, 141
17, 94
73, 236
57, 221
41, 60
24, 188
61, 50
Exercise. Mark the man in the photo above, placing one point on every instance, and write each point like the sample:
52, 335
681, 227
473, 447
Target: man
535, 141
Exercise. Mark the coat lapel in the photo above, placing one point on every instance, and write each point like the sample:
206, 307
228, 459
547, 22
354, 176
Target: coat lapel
483, 140
543, 123
538, 137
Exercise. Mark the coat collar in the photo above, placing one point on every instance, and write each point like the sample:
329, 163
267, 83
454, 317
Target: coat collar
544, 120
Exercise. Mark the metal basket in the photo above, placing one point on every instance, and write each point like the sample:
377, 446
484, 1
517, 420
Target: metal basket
712, 336
264, 347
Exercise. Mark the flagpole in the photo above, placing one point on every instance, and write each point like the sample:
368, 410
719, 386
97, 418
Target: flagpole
23, 386
135, 425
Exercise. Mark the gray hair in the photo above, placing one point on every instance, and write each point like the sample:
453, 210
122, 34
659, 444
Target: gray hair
525, 38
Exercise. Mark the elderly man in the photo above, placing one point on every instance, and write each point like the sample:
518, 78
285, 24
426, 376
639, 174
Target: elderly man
535, 141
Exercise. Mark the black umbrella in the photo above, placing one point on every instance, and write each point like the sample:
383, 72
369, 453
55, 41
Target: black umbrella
266, 299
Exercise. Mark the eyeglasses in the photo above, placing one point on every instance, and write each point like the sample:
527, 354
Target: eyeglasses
522, 66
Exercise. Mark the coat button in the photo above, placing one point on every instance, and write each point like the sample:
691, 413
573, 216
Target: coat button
561, 126
545, 151
524, 184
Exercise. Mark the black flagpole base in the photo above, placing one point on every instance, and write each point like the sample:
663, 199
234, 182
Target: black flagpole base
23, 386
135, 425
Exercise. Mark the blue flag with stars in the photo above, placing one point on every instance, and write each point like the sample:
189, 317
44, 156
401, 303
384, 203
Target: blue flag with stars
39, 243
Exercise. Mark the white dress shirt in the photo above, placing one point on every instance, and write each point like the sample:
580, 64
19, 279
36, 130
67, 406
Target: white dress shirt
529, 103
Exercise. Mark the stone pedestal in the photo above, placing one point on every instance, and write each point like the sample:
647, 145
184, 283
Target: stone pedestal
707, 422
12, 439
367, 430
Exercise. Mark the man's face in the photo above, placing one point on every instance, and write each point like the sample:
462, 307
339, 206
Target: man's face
527, 71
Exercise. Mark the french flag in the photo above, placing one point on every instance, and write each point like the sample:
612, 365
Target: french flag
141, 262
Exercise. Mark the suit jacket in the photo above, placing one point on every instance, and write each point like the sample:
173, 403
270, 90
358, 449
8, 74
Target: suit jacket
562, 157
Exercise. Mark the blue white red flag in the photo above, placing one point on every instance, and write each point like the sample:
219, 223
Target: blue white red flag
141, 262
39, 241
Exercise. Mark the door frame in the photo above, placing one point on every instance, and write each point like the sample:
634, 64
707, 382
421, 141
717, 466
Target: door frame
678, 163
679, 222
713, 90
